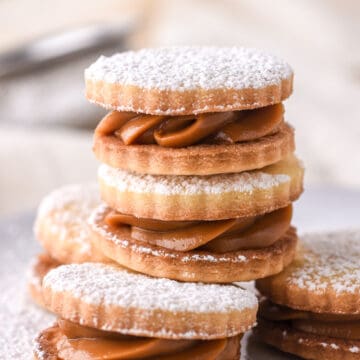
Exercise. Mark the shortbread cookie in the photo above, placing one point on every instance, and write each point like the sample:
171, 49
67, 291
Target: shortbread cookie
61, 227
307, 345
202, 159
208, 263
202, 197
111, 298
188, 80
325, 277
39, 267
68, 341
319, 296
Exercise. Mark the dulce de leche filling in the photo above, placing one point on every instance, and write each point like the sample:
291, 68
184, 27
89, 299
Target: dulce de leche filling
343, 326
218, 236
180, 131
73, 341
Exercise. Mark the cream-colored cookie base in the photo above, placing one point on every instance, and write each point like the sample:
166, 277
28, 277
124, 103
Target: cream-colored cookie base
203, 198
188, 80
109, 298
123, 97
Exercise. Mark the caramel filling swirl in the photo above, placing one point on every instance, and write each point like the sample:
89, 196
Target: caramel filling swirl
343, 326
181, 131
219, 236
73, 341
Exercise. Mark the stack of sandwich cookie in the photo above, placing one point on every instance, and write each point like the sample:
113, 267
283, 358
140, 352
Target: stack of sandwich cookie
223, 317
198, 172
106, 312
313, 307
197, 180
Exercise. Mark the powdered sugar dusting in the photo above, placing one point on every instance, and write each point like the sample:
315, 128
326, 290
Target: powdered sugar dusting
188, 68
330, 260
96, 283
354, 349
20, 319
326, 342
189, 185
70, 206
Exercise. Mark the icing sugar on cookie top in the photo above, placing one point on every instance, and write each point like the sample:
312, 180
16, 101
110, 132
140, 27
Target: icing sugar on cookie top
330, 260
105, 284
84, 196
69, 207
172, 185
190, 68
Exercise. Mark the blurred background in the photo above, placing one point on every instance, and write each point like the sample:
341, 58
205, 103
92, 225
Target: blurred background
46, 124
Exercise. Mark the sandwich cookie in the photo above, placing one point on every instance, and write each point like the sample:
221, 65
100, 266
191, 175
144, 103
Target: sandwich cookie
106, 310
191, 110
219, 251
61, 228
215, 197
313, 306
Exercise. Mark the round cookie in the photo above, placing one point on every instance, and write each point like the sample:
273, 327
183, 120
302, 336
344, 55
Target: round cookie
202, 197
202, 159
188, 80
39, 267
61, 220
324, 278
110, 298
195, 265
319, 297
306, 345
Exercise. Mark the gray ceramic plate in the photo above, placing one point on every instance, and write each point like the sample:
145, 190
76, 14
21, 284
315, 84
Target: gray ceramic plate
319, 209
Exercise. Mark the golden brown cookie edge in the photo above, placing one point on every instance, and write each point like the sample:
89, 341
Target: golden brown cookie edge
198, 159
305, 345
123, 97
198, 266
